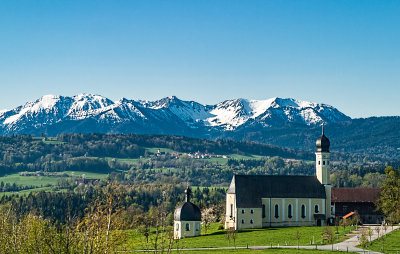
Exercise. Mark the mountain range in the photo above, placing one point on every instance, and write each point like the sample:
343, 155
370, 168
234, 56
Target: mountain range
280, 121
56, 114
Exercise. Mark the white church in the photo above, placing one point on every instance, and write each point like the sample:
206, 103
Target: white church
258, 201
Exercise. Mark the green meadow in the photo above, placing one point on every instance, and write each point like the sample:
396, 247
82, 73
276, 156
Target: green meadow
248, 237
387, 244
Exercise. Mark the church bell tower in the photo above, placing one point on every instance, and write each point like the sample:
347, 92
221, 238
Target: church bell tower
322, 158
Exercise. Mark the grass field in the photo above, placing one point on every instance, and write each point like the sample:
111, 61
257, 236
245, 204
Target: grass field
43, 183
253, 237
391, 243
29, 180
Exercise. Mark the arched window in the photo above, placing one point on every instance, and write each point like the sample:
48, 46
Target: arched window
289, 211
276, 211
319, 162
187, 226
303, 211
251, 211
242, 211
316, 209
263, 211
231, 210
242, 221
177, 226
198, 227
251, 221
323, 162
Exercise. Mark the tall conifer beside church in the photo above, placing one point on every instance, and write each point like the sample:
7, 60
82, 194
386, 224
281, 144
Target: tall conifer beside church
257, 201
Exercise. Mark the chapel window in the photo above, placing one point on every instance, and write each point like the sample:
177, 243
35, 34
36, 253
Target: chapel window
251, 211
251, 221
242, 211
319, 162
323, 162
187, 227
231, 210
177, 226
197, 227
276, 211
242, 221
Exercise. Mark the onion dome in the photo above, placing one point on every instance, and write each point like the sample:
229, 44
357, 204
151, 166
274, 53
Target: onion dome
187, 211
322, 142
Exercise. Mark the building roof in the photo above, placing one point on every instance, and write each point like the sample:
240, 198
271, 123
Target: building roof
187, 211
348, 215
250, 189
355, 195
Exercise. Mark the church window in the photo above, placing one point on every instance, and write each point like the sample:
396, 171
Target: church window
303, 211
251, 211
251, 221
242, 211
263, 211
242, 221
316, 209
197, 227
276, 211
231, 210
323, 162
187, 226
319, 162
289, 211
177, 226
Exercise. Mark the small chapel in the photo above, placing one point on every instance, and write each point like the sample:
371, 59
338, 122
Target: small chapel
258, 201
187, 218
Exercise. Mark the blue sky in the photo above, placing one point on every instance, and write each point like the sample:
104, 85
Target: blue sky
343, 53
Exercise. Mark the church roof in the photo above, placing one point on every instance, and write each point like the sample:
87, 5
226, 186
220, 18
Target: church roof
250, 189
187, 212
349, 195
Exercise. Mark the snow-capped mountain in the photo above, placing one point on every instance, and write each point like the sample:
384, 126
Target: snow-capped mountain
85, 113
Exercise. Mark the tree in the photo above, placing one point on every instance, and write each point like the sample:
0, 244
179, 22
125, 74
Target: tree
369, 233
327, 234
363, 240
231, 234
207, 217
389, 200
298, 238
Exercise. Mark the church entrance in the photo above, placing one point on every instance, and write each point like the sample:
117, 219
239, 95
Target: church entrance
319, 223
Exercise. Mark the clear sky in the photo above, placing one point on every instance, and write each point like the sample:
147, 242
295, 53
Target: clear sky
343, 53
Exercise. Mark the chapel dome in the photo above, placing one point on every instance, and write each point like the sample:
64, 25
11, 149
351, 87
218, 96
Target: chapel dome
187, 211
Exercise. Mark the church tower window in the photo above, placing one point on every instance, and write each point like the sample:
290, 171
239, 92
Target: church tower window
276, 211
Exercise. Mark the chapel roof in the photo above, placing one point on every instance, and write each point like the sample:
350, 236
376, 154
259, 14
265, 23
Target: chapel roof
250, 189
187, 211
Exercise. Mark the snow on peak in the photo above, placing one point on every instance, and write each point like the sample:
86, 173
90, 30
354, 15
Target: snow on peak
227, 115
